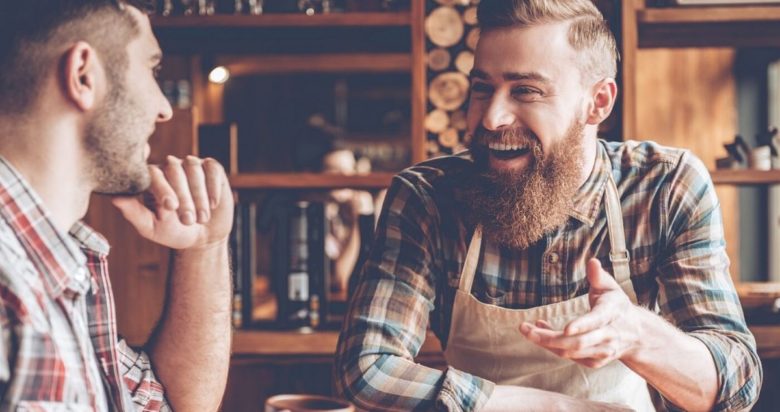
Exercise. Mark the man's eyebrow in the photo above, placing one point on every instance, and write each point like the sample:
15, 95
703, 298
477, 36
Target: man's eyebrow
511, 76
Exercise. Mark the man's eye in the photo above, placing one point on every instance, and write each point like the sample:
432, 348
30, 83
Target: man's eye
481, 88
526, 93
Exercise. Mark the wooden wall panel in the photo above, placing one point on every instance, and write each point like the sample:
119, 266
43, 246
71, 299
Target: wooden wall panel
687, 98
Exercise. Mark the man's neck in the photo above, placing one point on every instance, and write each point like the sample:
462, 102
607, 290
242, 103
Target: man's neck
49, 159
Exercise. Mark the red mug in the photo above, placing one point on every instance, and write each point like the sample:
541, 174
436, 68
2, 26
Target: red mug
306, 403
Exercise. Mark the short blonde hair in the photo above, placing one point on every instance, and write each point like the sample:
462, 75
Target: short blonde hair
588, 32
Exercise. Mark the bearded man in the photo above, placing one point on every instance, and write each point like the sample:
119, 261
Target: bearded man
78, 103
559, 271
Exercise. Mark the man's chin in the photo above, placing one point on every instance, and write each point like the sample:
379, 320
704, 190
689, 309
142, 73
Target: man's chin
512, 165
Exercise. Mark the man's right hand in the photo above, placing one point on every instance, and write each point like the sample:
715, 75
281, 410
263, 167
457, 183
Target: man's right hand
507, 398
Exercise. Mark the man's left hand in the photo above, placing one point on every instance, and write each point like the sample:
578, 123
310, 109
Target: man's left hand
610, 331
192, 205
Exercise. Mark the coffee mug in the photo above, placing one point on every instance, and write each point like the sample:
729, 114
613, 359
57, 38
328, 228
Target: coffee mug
306, 403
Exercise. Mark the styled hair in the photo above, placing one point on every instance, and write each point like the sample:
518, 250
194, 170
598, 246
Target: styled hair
35, 33
589, 34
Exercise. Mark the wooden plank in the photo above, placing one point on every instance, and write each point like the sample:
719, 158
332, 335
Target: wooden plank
309, 181
745, 177
687, 98
709, 27
767, 340
283, 343
356, 19
419, 81
683, 15
629, 41
316, 63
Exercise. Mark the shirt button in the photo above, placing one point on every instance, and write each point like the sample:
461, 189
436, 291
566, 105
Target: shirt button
553, 258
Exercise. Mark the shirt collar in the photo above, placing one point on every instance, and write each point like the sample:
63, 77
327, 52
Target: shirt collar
56, 255
587, 201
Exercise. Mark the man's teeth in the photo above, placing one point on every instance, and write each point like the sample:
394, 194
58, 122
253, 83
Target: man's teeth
505, 147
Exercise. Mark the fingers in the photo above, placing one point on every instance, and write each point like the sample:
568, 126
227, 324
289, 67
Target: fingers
196, 178
177, 178
598, 278
215, 181
141, 217
599, 316
163, 195
593, 349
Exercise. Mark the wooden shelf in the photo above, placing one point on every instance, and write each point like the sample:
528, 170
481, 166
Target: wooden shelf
356, 19
709, 26
745, 177
317, 63
282, 343
310, 181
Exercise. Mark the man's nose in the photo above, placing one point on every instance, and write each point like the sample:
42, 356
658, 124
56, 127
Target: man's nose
498, 115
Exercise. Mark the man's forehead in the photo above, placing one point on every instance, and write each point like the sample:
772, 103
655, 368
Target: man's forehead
542, 49
146, 39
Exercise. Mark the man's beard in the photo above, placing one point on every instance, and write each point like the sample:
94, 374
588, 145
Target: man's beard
115, 144
517, 208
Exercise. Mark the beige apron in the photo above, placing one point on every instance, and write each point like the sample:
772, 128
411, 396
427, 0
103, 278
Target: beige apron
485, 340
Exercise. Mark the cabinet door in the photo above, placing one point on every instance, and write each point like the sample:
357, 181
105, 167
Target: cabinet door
138, 267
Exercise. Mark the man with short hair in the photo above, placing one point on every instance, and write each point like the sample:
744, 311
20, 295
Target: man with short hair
78, 103
560, 271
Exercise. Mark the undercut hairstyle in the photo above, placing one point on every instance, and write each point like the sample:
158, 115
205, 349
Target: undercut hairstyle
35, 34
589, 34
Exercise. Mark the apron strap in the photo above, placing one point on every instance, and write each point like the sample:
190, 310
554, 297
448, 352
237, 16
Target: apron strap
472, 259
617, 239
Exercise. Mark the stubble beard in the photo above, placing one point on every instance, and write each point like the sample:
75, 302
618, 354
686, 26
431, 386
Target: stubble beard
517, 208
115, 147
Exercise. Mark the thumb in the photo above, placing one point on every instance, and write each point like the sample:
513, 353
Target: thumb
598, 278
136, 213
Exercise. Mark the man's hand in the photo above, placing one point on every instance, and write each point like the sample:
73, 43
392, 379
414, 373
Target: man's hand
610, 331
192, 202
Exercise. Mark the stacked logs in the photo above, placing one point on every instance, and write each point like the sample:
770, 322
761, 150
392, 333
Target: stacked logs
452, 35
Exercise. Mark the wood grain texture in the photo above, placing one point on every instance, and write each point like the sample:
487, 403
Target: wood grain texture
138, 267
351, 19
309, 181
317, 63
419, 81
687, 98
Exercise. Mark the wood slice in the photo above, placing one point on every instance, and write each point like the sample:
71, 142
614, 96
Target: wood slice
472, 38
448, 91
465, 62
470, 16
437, 121
458, 120
449, 138
474, 2
444, 27
453, 2
439, 59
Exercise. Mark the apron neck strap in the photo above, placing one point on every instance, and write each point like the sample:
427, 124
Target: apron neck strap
618, 254
472, 259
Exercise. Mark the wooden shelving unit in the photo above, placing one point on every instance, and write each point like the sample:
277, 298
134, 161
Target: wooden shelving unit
356, 19
745, 177
309, 181
709, 26
318, 63
320, 343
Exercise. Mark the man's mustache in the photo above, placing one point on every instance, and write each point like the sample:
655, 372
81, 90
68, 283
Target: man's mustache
515, 136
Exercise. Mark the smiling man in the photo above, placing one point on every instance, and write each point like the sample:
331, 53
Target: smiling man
78, 103
560, 271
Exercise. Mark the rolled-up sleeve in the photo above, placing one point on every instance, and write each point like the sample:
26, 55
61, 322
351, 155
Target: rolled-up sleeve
145, 390
388, 317
696, 292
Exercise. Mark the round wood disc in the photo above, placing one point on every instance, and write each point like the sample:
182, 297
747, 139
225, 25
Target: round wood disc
437, 121
444, 26
448, 91
470, 16
472, 38
465, 62
449, 138
432, 147
458, 120
439, 59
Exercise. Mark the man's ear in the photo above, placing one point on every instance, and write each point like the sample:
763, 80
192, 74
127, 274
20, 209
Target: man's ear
604, 95
81, 73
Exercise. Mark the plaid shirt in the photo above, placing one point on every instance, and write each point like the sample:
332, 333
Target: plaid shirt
678, 264
60, 349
